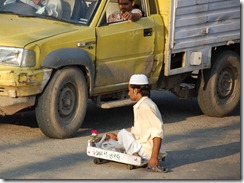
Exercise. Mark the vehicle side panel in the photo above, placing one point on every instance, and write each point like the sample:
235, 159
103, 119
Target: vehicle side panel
123, 49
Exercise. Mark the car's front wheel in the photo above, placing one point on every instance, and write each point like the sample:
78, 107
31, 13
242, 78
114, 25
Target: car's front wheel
61, 108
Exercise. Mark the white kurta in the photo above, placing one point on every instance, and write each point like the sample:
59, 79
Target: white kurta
53, 7
148, 124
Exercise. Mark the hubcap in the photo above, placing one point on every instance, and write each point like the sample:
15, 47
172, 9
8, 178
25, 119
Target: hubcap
225, 83
66, 100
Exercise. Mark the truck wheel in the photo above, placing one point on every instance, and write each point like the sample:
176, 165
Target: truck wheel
219, 90
62, 106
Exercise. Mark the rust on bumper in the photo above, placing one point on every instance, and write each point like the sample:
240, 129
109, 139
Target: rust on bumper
18, 83
18, 88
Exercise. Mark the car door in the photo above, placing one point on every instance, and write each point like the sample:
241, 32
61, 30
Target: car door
123, 48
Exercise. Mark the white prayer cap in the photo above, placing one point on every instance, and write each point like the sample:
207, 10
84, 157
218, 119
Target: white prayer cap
138, 79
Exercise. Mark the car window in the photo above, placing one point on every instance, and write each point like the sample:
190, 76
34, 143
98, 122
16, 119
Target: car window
113, 7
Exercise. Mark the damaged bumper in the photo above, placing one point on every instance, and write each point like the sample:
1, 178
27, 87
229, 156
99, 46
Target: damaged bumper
18, 88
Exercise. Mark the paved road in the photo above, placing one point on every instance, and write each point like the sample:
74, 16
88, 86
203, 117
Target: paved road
199, 147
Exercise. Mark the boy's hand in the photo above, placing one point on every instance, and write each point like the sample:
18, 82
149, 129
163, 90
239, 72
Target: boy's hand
153, 162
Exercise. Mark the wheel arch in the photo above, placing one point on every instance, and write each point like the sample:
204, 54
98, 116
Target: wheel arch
72, 57
216, 52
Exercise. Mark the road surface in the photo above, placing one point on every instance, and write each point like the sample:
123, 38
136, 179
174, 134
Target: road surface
198, 146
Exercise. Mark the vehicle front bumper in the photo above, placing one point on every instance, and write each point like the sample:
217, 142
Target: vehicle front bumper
9, 106
23, 83
19, 87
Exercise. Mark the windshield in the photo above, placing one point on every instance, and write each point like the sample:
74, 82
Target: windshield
73, 11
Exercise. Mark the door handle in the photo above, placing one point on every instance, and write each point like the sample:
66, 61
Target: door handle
148, 32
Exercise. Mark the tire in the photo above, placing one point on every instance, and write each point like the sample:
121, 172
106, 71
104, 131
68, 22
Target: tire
97, 161
130, 167
61, 108
219, 90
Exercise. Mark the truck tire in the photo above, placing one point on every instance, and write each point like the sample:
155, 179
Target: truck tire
61, 108
219, 90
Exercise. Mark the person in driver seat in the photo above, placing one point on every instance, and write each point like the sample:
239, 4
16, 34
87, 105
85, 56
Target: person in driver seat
126, 12
51, 7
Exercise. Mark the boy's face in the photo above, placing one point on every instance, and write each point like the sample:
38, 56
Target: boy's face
132, 93
125, 5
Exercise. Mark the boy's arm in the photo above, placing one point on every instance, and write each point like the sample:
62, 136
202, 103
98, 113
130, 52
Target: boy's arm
155, 151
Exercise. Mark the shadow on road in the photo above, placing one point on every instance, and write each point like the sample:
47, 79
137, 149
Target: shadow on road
26, 118
173, 110
189, 156
50, 164
114, 119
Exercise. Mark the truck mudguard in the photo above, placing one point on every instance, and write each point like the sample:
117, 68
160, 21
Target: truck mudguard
70, 56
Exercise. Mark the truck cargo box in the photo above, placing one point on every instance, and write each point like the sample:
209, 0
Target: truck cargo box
196, 26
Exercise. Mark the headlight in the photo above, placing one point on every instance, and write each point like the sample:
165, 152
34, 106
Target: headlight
11, 56
17, 57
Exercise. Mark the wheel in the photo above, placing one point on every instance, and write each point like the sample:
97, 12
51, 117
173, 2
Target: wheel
61, 108
219, 90
130, 167
97, 161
